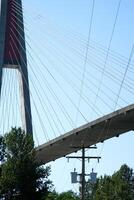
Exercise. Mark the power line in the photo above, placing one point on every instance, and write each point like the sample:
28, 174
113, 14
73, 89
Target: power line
125, 73
85, 61
109, 46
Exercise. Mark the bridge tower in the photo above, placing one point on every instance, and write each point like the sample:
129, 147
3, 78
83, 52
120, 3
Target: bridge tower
13, 54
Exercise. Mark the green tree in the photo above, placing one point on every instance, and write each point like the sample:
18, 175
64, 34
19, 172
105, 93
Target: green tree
2, 149
21, 176
119, 186
123, 184
63, 196
68, 196
52, 196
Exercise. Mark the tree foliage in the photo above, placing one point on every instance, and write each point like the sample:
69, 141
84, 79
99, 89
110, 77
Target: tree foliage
21, 176
119, 186
2, 149
63, 196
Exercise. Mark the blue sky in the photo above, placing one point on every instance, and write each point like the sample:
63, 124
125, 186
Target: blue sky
73, 17
57, 32
76, 15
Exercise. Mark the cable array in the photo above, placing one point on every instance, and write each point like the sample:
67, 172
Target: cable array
65, 93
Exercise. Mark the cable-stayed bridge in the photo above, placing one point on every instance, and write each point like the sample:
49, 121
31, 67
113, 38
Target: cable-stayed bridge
104, 128
75, 85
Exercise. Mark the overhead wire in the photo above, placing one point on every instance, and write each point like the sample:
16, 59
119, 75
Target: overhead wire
46, 96
9, 97
85, 60
123, 81
109, 46
17, 59
105, 63
107, 55
109, 50
117, 70
100, 45
120, 88
43, 128
110, 74
4, 93
125, 73
32, 58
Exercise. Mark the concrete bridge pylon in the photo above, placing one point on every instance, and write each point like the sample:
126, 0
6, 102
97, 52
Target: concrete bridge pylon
13, 54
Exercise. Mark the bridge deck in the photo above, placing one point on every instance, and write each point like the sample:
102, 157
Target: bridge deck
103, 128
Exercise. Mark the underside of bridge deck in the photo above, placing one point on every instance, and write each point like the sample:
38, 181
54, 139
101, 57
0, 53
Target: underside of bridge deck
99, 130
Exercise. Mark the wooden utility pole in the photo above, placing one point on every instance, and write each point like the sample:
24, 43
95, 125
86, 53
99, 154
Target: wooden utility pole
83, 175
83, 159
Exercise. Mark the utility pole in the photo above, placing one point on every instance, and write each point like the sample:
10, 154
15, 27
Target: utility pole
83, 158
83, 174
